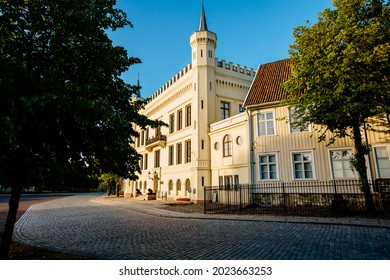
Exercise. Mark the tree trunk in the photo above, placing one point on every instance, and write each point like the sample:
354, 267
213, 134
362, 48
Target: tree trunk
360, 166
10, 223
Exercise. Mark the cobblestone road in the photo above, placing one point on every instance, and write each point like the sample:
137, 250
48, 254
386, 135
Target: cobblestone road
80, 225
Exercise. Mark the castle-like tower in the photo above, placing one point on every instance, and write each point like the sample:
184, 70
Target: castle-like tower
176, 159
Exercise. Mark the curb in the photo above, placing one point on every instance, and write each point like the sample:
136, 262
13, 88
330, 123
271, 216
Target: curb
152, 209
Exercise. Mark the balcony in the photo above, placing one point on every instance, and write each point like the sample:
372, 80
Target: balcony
158, 140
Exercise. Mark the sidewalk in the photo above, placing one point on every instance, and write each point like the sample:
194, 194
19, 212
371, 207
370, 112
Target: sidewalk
175, 209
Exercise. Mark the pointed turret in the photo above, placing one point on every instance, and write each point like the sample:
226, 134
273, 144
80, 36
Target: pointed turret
139, 88
203, 43
203, 23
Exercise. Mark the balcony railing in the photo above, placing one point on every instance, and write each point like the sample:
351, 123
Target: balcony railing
158, 140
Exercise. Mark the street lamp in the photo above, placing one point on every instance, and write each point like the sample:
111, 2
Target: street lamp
155, 175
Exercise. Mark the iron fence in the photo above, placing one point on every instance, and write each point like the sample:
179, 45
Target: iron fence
293, 198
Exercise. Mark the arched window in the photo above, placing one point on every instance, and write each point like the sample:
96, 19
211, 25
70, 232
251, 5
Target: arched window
178, 187
227, 146
170, 187
188, 187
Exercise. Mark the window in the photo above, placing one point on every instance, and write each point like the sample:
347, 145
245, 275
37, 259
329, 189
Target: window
227, 146
171, 123
225, 110
293, 121
268, 167
157, 131
142, 138
210, 54
188, 115
240, 108
170, 187
388, 118
220, 178
178, 187
303, 165
187, 186
179, 149
228, 182
382, 162
210, 86
266, 123
157, 158
236, 180
146, 162
171, 154
340, 163
141, 162
188, 151
179, 119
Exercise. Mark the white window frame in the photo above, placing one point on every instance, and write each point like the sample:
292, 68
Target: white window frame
356, 175
276, 163
293, 165
387, 147
265, 112
227, 142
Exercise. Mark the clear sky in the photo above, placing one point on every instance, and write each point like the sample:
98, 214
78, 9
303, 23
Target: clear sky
249, 33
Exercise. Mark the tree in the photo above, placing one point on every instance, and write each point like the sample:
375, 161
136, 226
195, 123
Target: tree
63, 104
340, 74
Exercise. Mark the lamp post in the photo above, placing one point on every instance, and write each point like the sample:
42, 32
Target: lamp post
154, 177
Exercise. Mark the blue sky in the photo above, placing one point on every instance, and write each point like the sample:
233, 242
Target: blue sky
249, 33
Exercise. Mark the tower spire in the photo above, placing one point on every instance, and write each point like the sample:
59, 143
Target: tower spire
138, 88
203, 23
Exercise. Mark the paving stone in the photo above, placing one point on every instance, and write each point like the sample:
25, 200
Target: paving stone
129, 229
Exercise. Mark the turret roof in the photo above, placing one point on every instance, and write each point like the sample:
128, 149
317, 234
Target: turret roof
203, 23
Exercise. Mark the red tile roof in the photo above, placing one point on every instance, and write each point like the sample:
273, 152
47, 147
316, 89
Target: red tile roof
268, 83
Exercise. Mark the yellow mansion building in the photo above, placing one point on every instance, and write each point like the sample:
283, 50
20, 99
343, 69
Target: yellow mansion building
176, 160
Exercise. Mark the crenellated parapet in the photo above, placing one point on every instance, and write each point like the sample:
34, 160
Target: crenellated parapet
228, 84
235, 67
171, 82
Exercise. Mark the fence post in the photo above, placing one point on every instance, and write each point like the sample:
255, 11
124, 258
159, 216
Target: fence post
284, 200
204, 200
240, 188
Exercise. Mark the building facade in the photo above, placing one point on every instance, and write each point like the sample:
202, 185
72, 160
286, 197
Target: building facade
230, 151
176, 159
282, 153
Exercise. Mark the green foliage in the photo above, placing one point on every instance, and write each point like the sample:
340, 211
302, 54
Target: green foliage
63, 104
340, 71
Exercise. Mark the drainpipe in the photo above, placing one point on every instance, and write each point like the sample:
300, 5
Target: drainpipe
251, 150
369, 159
